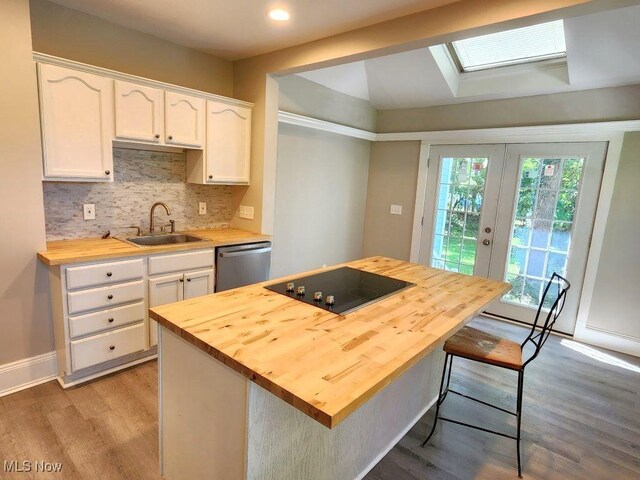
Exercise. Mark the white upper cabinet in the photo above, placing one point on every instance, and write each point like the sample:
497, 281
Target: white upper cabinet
139, 112
184, 120
77, 124
228, 151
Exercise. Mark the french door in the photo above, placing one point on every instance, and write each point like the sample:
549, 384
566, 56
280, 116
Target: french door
517, 213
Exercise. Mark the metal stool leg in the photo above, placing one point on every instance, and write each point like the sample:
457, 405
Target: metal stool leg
440, 396
519, 416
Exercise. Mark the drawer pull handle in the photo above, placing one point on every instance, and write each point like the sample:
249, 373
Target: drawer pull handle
112, 347
182, 279
110, 297
188, 279
109, 274
110, 320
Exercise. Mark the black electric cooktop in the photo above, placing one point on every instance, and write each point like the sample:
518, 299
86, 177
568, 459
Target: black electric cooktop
351, 289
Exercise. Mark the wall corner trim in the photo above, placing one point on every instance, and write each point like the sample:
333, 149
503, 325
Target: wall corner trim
323, 125
27, 373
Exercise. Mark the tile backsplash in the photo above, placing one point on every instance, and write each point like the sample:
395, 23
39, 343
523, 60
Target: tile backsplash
141, 179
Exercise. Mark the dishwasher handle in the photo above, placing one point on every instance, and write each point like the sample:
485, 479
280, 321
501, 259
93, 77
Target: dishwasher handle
238, 253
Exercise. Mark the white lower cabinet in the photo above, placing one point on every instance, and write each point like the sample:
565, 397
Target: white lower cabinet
101, 309
96, 322
175, 288
107, 346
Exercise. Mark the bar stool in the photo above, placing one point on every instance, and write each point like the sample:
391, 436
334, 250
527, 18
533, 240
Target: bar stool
483, 347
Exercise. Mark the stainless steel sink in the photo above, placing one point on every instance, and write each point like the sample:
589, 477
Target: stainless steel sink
161, 239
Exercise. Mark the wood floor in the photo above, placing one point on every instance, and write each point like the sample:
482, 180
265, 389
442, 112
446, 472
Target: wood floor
581, 421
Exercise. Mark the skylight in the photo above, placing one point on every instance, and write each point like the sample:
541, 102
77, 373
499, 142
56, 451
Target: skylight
522, 45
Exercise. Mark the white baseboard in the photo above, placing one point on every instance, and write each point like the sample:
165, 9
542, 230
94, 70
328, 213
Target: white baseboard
393, 442
609, 340
28, 372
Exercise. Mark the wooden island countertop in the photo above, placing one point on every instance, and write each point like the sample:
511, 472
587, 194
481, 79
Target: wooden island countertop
61, 252
323, 364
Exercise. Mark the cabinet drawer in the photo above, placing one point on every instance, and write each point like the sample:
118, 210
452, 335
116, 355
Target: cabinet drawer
108, 346
180, 262
104, 297
109, 319
104, 273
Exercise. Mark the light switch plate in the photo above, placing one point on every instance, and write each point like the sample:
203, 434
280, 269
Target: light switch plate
246, 212
89, 211
202, 208
396, 209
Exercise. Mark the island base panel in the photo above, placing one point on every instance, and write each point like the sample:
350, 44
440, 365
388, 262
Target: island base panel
214, 423
284, 443
203, 413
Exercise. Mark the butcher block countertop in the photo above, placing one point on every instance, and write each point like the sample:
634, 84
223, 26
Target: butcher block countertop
323, 364
62, 252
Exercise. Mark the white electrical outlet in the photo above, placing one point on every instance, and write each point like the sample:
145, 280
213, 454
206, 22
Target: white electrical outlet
89, 210
396, 209
246, 212
202, 208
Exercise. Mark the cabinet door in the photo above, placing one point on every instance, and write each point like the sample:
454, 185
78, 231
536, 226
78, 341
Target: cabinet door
228, 143
198, 283
76, 110
163, 290
184, 120
139, 112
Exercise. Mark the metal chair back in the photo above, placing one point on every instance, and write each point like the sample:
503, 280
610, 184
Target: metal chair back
555, 294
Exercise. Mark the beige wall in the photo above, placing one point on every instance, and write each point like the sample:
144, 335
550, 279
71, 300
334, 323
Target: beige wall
321, 180
615, 305
25, 322
71, 34
393, 176
605, 104
320, 199
304, 97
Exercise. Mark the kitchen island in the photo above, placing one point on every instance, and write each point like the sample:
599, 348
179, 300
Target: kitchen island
256, 385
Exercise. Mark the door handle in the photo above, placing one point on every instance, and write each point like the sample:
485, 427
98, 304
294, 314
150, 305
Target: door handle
244, 252
486, 242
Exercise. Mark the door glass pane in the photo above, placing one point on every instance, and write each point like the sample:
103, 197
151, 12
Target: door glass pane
459, 204
541, 231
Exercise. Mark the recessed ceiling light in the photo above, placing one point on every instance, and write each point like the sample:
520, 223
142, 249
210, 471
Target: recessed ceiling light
278, 14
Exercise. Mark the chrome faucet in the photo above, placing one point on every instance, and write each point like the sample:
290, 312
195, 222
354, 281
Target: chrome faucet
153, 208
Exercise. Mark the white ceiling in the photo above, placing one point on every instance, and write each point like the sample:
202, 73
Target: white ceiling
602, 51
236, 29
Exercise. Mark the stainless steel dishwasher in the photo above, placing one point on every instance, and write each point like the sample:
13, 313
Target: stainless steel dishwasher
241, 265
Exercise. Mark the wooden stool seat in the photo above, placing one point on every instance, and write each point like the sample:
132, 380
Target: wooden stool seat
483, 347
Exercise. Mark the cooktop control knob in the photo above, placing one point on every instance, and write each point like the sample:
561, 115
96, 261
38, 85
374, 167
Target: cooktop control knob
317, 297
291, 287
301, 291
330, 300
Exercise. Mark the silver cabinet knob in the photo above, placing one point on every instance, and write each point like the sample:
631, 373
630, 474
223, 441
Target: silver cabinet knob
317, 296
486, 241
330, 300
291, 287
301, 290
